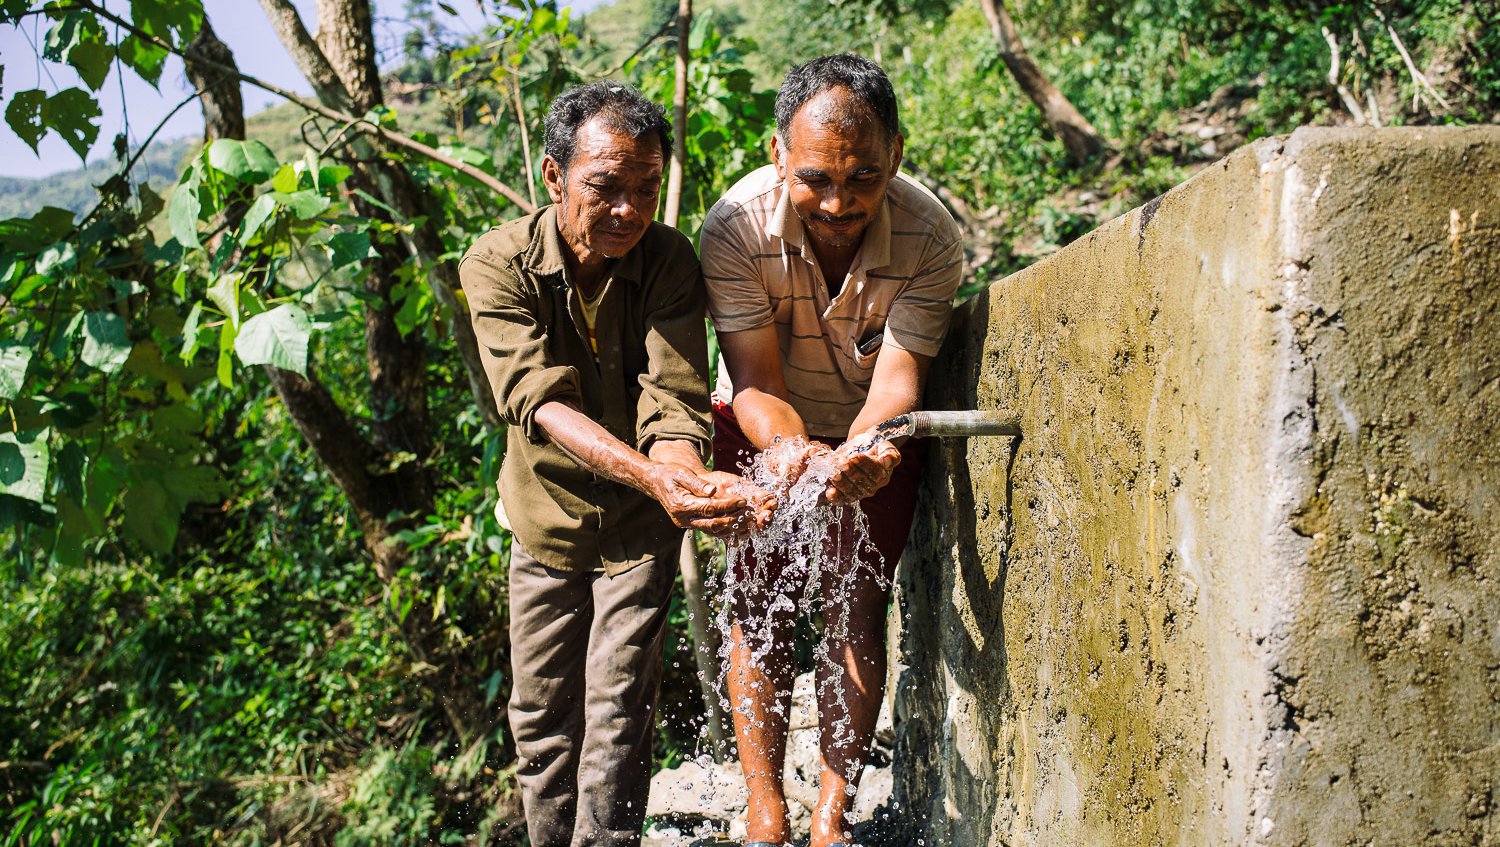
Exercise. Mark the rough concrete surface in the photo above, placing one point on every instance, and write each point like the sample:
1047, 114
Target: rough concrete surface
1239, 581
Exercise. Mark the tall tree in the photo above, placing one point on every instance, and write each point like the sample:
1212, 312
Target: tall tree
1078, 136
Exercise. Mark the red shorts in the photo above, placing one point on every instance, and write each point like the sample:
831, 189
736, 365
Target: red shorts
889, 510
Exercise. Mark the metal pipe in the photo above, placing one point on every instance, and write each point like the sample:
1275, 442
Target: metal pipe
951, 425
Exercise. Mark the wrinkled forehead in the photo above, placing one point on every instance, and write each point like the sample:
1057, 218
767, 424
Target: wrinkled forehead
599, 147
838, 112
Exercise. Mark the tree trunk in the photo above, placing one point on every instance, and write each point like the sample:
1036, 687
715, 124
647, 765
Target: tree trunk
679, 115
374, 477
1082, 141
344, 76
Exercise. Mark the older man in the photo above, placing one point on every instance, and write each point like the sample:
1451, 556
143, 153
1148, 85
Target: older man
590, 320
830, 280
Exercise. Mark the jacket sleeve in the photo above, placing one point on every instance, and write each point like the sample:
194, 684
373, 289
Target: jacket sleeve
673, 404
513, 345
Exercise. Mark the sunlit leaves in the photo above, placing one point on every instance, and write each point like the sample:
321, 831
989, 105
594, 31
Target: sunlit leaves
24, 458
174, 21
304, 205
260, 211
278, 337
106, 345
143, 57
14, 357
246, 161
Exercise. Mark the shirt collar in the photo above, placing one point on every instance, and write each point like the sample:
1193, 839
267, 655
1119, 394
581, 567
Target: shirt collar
546, 256
874, 249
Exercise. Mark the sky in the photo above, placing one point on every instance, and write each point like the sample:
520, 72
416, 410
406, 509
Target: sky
133, 103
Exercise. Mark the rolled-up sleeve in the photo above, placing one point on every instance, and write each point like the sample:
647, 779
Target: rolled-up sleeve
919, 315
513, 346
673, 404
737, 297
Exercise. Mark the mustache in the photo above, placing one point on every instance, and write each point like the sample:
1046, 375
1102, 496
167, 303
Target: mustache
840, 219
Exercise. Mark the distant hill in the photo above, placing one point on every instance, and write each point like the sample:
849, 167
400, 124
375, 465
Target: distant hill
280, 127
22, 197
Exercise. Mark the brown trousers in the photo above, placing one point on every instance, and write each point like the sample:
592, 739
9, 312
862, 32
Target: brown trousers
586, 661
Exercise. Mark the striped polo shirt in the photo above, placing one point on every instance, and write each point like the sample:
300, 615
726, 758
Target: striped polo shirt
899, 290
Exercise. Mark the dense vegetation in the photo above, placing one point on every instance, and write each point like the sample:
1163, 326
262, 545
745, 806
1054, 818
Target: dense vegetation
253, 588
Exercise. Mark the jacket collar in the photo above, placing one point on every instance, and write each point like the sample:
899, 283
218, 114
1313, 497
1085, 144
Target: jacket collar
546, 253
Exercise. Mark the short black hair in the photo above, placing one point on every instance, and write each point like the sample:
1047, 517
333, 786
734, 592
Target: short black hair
624, 110
864, 79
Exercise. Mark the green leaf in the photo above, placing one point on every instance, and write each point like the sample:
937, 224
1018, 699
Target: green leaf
225, 372
182, 215
278, 337
225, 293
80, 40
348, 247
71, 113
57, 257
143, 57
246, 161
24, 114
14, 357
260, 212
12, 10
285, 181
106, 345
175, 21
190, 343
303, 204
23, 464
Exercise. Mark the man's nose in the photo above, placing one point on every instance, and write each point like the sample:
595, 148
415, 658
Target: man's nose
623, 205
835, 200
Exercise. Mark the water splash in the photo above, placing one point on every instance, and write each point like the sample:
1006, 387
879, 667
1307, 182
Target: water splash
805, 563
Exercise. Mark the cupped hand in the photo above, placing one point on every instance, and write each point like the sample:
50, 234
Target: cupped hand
787, 459
862, 467
759, 503
694, 502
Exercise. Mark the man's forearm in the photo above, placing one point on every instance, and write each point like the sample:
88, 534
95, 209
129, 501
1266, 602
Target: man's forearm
593, 447
677, 453
763, 416
881, 407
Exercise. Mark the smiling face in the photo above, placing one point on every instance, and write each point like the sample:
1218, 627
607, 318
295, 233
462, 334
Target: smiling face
836, 161
608, 195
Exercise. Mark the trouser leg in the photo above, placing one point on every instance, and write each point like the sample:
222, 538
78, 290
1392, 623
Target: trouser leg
624, 674
550, 614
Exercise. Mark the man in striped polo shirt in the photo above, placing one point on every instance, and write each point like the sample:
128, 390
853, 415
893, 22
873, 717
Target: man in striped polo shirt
830, 281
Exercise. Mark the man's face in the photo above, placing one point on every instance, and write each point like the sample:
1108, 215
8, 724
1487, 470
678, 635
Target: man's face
836, 169
608, 196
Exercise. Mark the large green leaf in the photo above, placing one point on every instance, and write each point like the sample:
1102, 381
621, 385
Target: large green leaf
278, 337
79, 39
348, 247
225, 293
14, 357
23, 464
72, 113
304, 204
144, 57
106, 345
176, 21
24, 115
246, 161
182, 215
260, 212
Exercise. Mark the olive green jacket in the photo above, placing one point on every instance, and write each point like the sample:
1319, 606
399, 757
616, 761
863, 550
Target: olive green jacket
649, 382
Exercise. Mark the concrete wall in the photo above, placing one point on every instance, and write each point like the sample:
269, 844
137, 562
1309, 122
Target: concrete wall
1239, 582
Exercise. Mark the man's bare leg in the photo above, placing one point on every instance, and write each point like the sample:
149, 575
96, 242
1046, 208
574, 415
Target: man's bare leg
760, 695
851, 682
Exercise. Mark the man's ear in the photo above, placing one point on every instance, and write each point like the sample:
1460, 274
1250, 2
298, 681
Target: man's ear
552, 178
897, 150
778, 155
